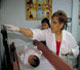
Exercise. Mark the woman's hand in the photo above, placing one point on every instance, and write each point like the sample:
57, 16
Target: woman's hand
27, 32
11, 27
65, 51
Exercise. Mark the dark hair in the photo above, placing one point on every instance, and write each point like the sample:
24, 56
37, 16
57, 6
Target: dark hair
36, 61
47, 12
39, 4
45, 20
62, 17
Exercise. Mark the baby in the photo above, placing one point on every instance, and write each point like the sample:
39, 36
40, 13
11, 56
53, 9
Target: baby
30, 56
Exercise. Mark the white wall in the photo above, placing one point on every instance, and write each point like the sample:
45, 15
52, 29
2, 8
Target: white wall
13, 12
66, 6
75, 21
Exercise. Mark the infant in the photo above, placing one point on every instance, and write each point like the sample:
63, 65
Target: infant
30, 56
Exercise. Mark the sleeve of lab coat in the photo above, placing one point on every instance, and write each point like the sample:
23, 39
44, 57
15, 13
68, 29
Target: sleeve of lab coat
39, 34
74, 47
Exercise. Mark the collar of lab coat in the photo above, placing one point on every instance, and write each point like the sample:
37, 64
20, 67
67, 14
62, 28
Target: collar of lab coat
63, 35
64, 38
62, 42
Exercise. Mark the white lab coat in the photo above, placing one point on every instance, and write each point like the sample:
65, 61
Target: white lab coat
68, 42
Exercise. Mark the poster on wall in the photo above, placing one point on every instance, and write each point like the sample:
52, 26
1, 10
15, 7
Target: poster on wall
38, 9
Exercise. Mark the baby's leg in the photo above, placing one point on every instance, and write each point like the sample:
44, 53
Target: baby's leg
21, 52
21, 55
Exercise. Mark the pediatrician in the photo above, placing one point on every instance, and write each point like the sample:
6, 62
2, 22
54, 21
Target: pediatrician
57, 39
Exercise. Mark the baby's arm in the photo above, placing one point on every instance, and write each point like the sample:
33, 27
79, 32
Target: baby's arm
39, 52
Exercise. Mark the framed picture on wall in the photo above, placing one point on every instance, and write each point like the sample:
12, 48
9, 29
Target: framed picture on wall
38, 9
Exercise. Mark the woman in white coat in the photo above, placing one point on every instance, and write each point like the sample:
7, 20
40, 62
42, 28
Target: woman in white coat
57, 39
